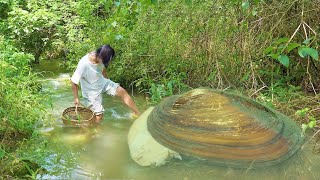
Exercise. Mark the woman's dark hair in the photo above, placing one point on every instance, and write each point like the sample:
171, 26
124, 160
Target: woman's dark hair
106, 53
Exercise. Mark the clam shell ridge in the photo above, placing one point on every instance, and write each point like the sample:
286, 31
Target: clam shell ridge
224, 128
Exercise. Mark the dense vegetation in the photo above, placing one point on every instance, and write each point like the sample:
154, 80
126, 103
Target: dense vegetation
267, 50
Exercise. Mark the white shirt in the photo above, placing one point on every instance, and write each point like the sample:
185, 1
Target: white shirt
90, 77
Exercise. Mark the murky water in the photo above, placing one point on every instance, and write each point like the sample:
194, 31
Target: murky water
102, 152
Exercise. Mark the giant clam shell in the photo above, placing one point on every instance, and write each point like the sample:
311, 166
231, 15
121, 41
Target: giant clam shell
224, 128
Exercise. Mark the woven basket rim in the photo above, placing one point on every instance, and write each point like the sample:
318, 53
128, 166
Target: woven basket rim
79, 109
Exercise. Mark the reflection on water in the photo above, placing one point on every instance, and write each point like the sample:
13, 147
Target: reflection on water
102, 152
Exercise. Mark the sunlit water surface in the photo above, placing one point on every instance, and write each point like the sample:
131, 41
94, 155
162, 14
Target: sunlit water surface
102, 152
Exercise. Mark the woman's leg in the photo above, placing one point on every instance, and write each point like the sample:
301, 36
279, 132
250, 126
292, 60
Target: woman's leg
98, 118
97, 108
122, 93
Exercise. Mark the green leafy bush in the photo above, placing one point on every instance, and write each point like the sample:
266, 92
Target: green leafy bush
33, 31
20, 105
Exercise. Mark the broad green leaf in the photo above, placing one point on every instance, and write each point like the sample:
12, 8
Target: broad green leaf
282, 40
313, 53
154, 1
304, 52
302, 112
284, 60
291, 46
281, 47
312, 124
307, 41
273, 56
312, 118
245, 5
268, 50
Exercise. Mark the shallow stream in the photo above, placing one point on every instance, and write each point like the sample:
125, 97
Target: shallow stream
102, 152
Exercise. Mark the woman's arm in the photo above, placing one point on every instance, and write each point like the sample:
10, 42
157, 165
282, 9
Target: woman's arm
75, 93
75, 80
104, 73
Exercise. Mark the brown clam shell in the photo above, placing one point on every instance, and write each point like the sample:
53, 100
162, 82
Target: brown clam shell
224, 128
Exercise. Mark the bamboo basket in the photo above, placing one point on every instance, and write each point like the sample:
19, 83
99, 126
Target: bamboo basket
78, 116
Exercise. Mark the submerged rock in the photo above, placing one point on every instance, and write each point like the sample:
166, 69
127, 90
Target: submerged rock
222, 128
